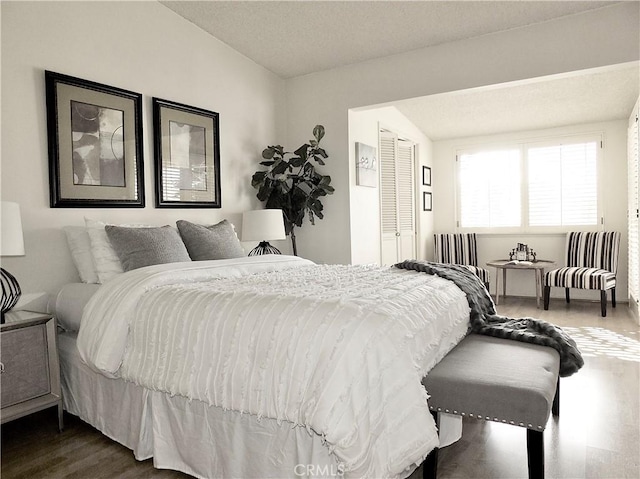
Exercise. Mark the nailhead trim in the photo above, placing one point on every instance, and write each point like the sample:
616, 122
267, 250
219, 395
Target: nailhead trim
487, 418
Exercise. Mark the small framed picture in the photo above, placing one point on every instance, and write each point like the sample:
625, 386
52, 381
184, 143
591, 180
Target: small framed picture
187, 156
95, 144
427, 204
366, 165
426, 176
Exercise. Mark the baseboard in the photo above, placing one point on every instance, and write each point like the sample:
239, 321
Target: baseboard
633, 307
576, 300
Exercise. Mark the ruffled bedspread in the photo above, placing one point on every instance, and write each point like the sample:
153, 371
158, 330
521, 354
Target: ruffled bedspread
339, 350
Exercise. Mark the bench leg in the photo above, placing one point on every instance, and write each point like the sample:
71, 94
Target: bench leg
535, 454
566, 295
430, 464
555, 407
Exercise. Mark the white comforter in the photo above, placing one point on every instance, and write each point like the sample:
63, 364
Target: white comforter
339, 350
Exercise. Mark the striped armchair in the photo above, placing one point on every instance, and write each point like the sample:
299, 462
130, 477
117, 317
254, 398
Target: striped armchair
592, 263
460, 249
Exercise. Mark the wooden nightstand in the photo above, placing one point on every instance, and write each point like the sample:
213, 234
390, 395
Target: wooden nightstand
30, 370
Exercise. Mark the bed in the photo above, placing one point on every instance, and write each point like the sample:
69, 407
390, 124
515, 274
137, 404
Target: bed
265, 366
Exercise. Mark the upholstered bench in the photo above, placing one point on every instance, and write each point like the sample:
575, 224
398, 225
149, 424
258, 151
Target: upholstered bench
500, 380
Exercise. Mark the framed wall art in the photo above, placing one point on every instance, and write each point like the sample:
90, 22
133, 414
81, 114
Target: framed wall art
187, 156
426, 176
95, 144
427, 204
366, 165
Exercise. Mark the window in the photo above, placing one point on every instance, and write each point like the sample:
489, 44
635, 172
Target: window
490, 189
530, 186
563, 185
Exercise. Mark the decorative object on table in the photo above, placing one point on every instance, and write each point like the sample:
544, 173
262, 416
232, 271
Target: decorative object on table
292, 184
522, 252
263, 225
187, 156
95, 144
11, 244
366, 165
427, 204
426, 176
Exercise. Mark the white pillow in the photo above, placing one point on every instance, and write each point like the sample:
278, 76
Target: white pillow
70, 302
80, 247
105, 259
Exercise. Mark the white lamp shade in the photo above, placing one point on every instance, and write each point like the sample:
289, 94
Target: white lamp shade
11, 241
262, 225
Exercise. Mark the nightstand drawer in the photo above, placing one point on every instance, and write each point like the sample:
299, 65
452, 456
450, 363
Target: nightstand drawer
30, 379
26, 365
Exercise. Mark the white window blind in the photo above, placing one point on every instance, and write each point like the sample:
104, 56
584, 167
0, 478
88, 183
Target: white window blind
563, 185
531, 186
489, 183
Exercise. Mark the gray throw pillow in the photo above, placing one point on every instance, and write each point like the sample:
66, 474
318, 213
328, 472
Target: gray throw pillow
138, 247
218, 241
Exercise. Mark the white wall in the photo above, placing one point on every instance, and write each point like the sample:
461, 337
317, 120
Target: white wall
613, 189
364, 201
139, 46
598, 38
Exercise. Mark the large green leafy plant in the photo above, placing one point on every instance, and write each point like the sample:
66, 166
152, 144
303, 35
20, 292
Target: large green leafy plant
292, 184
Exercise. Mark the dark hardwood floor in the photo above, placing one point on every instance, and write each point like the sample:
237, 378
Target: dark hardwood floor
32, 448
596, 436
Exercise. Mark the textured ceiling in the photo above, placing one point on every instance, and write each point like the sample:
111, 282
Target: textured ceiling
299, 37
583, 97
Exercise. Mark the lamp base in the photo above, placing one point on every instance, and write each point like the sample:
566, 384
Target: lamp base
10, 292
264, 248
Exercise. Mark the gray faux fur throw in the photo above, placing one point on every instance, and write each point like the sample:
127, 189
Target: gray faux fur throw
484, 320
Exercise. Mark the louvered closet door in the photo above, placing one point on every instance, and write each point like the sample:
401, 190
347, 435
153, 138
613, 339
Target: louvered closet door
397, 198
634, 209
406, 200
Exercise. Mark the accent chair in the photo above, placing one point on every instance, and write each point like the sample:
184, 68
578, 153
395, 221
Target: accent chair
592, 263
461, 249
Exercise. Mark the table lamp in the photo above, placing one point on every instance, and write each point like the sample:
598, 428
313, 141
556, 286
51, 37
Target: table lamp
263, 225
11, 244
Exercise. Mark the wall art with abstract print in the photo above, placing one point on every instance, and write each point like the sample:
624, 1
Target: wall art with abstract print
95, 151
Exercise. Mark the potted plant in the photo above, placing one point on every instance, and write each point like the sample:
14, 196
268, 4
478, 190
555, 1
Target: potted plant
292, 184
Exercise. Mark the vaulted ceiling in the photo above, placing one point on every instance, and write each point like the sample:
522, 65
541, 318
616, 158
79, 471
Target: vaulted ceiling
293, 38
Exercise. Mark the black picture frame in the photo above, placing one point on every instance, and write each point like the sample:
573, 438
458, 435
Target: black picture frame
427, 201
94, 134
187, 155
426, 176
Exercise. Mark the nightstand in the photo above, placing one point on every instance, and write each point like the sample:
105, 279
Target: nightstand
29, 366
